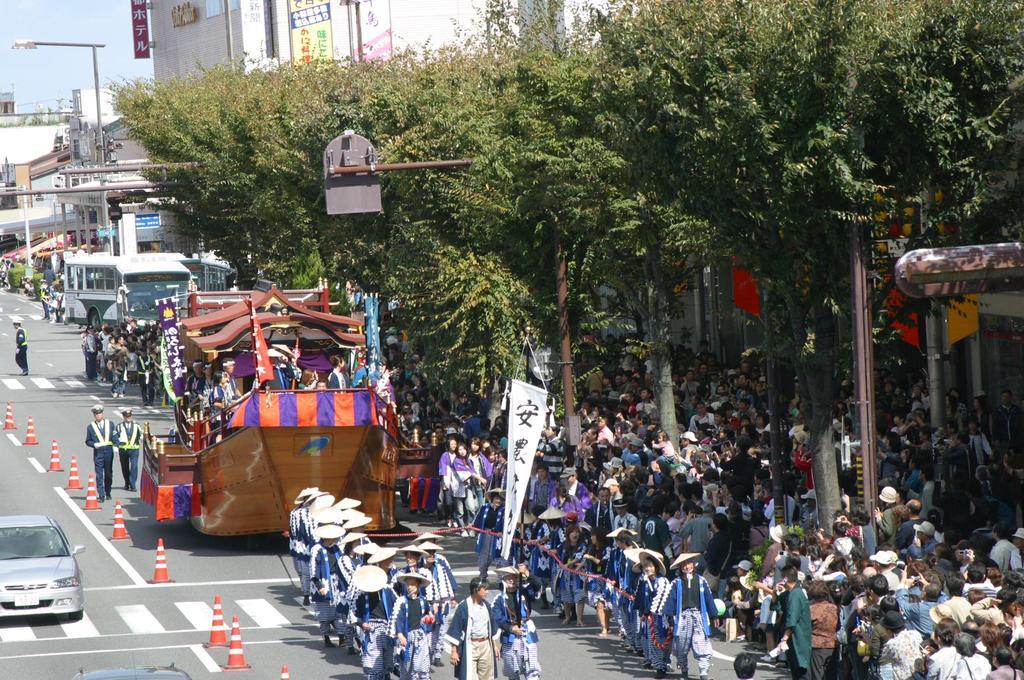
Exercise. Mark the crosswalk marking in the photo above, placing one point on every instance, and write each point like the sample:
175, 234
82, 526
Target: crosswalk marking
71, 382
14, 317
199, 614
36, 317
139, 619
80, 629
12, 384
17, 634
263, 613
43, 383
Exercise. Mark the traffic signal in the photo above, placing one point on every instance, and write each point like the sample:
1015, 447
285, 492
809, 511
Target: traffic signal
114, 211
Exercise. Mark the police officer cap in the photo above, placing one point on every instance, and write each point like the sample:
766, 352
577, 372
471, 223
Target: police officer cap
17, 323
98, 408
126, 412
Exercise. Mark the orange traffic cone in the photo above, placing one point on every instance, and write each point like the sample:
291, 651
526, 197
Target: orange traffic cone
92, 501
236, 656
30, 436
218, 632
120, 532
284, 673
55, 458
160, 573
9, 420
74, 483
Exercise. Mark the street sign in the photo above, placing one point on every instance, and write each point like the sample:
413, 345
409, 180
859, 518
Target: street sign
354, 193
147, 220
104, 233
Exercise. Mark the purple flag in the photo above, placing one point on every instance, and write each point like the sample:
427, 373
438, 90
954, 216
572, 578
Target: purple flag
174, 366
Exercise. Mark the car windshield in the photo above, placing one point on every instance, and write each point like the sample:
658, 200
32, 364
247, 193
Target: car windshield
26, 542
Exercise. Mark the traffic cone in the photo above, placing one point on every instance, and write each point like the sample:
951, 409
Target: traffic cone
9, 420
218, 631
92, 501
30, 436
74, 484
120, 532
284, 673
236, 656
160, 573
55, 458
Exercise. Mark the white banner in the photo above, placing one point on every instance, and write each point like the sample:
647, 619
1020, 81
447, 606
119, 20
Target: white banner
527, 414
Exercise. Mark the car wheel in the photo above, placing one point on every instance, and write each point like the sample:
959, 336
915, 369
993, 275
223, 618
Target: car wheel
76, 616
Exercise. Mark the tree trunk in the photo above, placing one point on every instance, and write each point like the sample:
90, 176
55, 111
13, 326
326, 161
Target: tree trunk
657, 323
817, 377
496, 397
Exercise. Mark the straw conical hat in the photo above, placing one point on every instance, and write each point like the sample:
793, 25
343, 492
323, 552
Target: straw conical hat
430, 546
329, 531
427, 537
357, 522
684, 558
552, 513
349, 514
369, 579
327, 515
352, 536
347, 504
382, 555
305, 494
366, 548
323, 500
423, 578
413, 549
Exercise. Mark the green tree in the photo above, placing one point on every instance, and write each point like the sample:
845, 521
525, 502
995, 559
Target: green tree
779, 120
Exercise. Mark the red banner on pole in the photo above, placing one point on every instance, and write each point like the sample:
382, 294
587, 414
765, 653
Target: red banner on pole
261, 357
140, 29
745, 294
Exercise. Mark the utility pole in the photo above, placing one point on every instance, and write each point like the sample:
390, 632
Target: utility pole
565, 350
864, 364
227, 26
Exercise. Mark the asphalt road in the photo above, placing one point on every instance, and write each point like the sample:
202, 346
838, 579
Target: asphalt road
130, 622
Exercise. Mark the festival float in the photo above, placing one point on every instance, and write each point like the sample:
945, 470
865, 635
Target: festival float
237, 474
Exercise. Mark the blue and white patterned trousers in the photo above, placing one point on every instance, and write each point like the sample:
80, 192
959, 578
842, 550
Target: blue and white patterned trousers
378, 651
519, 660
658, 658
443, 619
486, 557
302, 570
692, 638
415, 659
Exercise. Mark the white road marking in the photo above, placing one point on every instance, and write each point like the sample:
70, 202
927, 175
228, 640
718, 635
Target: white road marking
139, 619
204, 658
48, 364
17, 634
80, 629
15, 317
71, 382
263, 613
14, 440
4, 334
13, 384
43, 383
197, 584
126, 650
35, 463
36, 317
717, 655
128, 569
93, 396
199, 614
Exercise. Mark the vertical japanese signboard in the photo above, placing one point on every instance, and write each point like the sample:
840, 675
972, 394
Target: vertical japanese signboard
140, 29
310, 22
254, 33
375, 25
170, 349
527, 413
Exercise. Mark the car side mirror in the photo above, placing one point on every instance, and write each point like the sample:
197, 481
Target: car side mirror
78, 549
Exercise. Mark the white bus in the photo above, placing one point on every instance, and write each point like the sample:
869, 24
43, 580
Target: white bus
210, 272
101, 288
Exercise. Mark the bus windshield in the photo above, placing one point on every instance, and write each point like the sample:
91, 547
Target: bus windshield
145, 289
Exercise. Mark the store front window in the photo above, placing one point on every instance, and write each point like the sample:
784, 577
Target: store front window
1002, 339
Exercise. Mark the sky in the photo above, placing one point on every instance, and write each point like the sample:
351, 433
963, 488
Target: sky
40, 77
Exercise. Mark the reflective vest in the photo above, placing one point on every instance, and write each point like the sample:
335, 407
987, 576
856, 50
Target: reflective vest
102, 434
22, 337
129, 435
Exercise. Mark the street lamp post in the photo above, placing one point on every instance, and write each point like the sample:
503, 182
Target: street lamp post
28, 236
100, 141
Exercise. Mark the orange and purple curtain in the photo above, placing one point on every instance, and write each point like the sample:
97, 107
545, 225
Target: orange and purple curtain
307, 409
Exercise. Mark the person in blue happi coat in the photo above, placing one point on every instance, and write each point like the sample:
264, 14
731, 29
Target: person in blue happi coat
490, 520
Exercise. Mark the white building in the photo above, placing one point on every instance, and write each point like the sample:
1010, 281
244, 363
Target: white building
188, 35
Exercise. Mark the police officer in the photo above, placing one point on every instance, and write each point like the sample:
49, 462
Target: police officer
21, 348
99, 436
128, 437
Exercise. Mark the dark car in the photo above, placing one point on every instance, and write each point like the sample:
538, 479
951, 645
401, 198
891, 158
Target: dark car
143, 673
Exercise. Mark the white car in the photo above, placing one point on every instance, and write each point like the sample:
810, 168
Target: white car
38, 570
